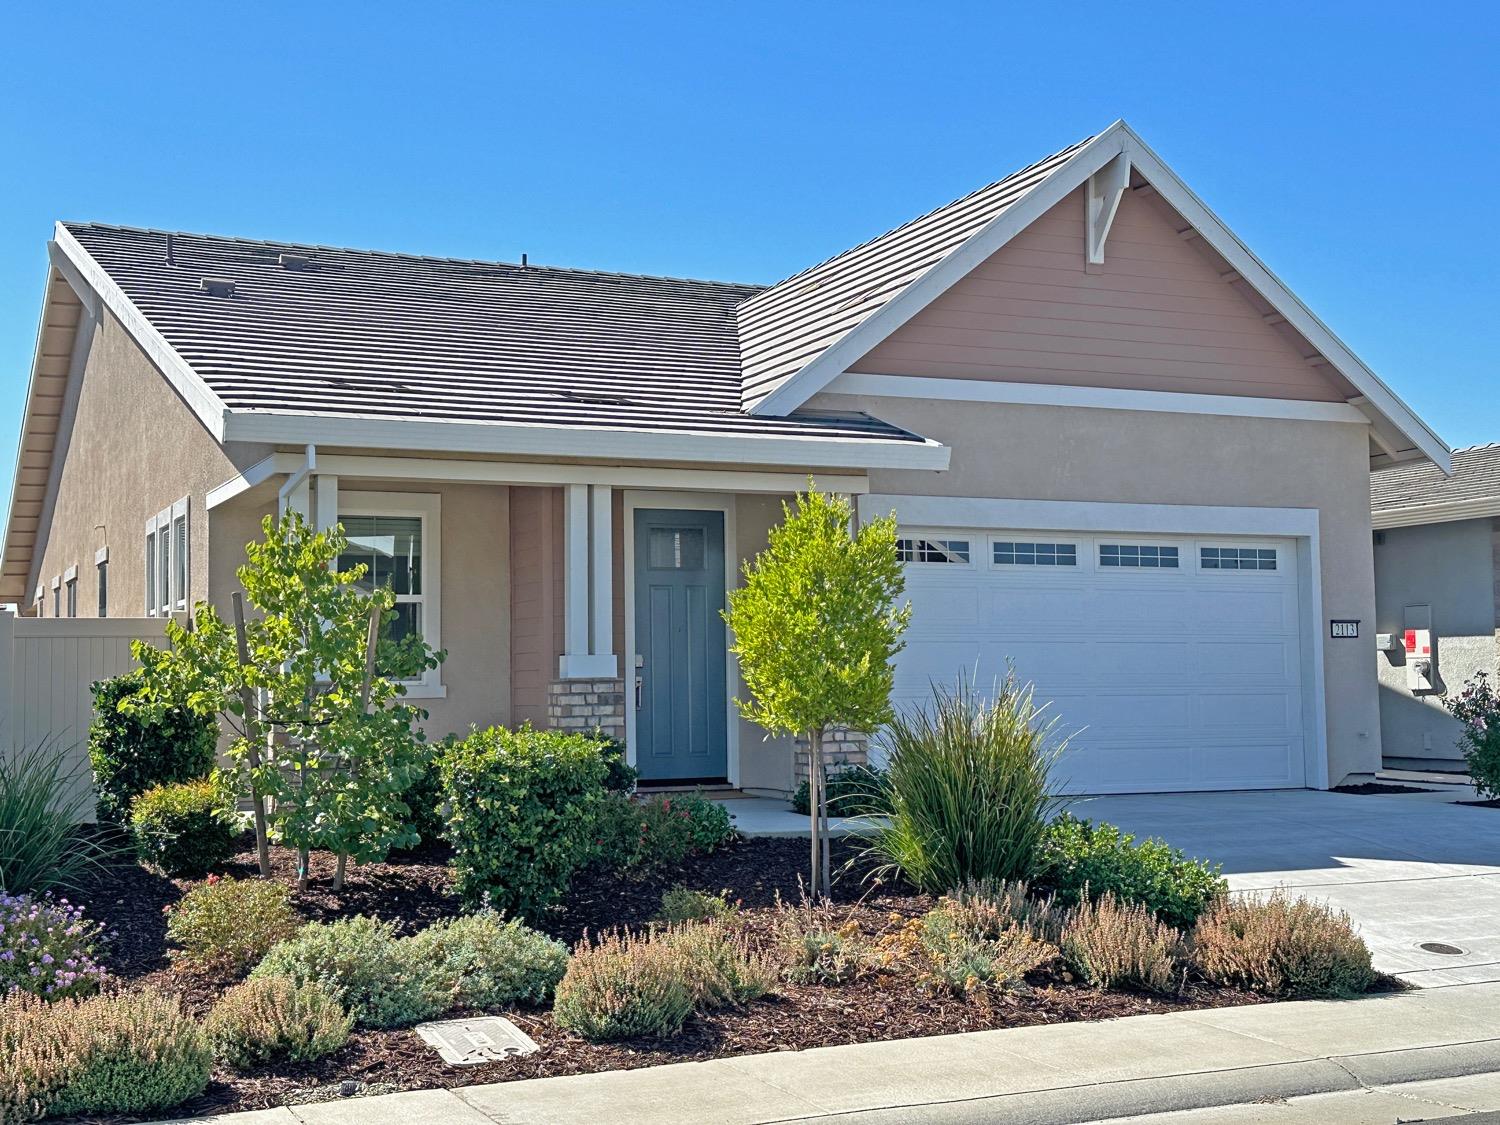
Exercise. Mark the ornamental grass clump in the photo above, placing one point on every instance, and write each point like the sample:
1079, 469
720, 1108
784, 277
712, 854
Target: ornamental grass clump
130, 1052
623, 986
970, 786
380, 979
47, 947
1282, 947
274, 1019
227, 925
43, 799
492, 963
1114, 944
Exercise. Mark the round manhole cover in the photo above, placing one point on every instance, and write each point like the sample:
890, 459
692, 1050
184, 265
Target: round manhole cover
1440, 947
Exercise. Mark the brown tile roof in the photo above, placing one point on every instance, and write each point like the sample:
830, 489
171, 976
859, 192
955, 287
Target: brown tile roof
1417, 484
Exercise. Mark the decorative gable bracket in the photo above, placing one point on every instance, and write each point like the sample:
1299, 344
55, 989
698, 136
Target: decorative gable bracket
1101, 200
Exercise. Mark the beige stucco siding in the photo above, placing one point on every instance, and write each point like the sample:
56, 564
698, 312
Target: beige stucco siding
1067, 453
135, 449
1155, 316
1449, 568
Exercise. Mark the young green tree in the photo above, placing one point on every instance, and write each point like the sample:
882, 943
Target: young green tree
815, 627
323, 745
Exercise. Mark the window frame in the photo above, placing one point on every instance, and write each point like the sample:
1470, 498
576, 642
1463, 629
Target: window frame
1057, 543
1119, 566
70, 591
168, 560
429, 508
1260, 548
939, 541
101, 571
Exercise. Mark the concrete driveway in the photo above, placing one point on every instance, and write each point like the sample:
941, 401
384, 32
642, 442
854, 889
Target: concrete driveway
1409, 868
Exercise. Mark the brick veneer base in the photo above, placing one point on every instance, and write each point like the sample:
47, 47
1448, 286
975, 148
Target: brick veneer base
584, 705
840, 748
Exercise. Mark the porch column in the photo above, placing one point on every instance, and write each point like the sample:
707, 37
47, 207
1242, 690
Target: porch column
325, 488
588, 606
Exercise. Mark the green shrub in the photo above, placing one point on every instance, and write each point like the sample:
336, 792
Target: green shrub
1282, 947
185, 829
130, 754
129, 1052
47, 947
1078, 854
522, 814
962, 958
969, 787
424, 798
621, 987
683, 905
1477, 707
492, 963
1110, 943
855, 790
721, 966
42, 801
381, 980
659, 832
620, 776
230, 924
274, 1019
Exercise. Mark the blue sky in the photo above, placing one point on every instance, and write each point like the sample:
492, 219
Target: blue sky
1353, 146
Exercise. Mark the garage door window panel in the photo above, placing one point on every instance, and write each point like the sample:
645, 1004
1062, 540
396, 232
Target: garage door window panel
925, 550
1007, 552
1138, 556
1237, 558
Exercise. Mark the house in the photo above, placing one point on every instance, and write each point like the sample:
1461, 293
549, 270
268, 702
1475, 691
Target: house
1437, 569
1122, 455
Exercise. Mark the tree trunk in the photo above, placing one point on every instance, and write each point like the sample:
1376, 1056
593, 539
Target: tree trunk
338, 874
824, 835
303, 863
252, 739
814, 807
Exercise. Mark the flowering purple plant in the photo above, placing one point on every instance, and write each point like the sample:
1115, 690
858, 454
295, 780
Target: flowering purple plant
47, 947
1477, 707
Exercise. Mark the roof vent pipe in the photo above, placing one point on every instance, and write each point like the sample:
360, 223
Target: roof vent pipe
171, 245
523, 261
217, 287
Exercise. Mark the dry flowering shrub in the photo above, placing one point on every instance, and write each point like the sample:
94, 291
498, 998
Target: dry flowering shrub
989, 907
816, 948
1282, 947
720, 964
126, 1052
1112, 944
271, 1019
230, 924
623, 986
47, 947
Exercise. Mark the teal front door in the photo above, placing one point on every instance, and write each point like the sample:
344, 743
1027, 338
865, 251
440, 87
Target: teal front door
681, 729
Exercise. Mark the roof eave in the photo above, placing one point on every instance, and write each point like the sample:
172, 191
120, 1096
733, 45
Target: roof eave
1445, 511
430, 436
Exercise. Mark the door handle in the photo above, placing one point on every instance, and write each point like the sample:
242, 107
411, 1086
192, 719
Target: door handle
639, 681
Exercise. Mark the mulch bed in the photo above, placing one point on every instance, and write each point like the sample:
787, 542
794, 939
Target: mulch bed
414, 889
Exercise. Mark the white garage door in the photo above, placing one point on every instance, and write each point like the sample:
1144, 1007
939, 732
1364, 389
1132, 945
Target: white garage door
1177, 660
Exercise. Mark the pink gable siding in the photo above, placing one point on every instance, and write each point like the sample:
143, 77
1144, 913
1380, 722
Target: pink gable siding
1155, 316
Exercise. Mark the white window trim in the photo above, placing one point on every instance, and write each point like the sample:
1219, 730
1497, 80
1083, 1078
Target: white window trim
1080, 550
163, 598
427, 506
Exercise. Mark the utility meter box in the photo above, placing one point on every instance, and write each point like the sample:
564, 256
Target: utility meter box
1419, 655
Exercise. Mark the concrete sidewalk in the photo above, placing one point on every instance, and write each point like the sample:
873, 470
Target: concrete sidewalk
1057, 1073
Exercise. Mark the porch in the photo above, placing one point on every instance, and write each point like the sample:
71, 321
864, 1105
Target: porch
568, 596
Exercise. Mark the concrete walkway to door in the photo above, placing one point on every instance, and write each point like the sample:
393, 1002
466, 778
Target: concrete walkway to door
1409, 868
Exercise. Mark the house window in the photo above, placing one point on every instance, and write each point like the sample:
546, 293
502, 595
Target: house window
168, 553
101, 565
41, 602
676, 548
395, 535
1035, 554
1143, 555
933, 550
70, 591
1237, 558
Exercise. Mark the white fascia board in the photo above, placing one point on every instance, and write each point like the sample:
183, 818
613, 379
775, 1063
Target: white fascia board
943, 276
1451, 511
1118, 138
457, 471
1101, 398
562, 441
1381, 398
195, 392
1089, 515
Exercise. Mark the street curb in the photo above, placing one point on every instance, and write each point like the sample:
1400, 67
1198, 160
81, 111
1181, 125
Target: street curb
1072, 1105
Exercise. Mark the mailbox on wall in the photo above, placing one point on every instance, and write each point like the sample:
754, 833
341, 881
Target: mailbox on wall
1419, 671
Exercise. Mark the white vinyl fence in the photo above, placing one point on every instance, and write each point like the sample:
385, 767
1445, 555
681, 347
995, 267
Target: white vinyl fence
46, 668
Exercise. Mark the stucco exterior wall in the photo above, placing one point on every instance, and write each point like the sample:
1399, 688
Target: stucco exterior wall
1451, 568
1070, 453
135, 449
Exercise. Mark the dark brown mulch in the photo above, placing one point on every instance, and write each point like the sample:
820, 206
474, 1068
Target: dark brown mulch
1375, 788
414, 889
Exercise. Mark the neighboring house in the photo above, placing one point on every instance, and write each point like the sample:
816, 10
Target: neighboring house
1437, 567
1122, 454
